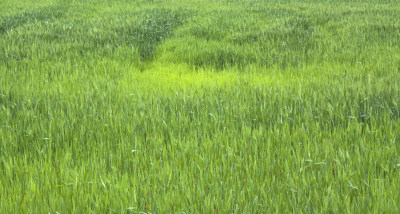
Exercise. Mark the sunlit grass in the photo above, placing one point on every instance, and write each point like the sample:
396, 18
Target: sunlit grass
156, 106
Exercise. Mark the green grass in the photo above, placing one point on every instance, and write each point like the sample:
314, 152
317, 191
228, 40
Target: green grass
243, 106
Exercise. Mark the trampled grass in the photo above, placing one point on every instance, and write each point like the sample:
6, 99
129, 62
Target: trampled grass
228, 106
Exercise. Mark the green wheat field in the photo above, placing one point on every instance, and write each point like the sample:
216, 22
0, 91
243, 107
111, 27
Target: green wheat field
199, 106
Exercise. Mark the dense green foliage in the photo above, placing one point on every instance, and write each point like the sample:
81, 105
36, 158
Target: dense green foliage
227, 106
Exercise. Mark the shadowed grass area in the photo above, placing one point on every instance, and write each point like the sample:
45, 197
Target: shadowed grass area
284, 36
137, 33
10, 22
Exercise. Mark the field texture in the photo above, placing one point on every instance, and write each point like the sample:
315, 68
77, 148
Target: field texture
203, 106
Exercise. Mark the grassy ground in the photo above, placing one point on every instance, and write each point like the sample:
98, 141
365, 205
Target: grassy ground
239, 106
